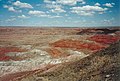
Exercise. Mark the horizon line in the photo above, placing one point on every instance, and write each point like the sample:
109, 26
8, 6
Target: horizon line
62, 26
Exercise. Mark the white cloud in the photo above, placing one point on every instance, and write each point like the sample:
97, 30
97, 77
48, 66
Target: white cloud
57, 10
11, 19
90, 8
53, 6
35, 12
38, 13
85, 13
108, 21
105, 21
70, 2
12, 9
9, 8
57, 16
109, 4
97, 4
83, 2
23, 16
65, 2
101, 12
87, 10
5, 6
113, 3
48, 1
22, 5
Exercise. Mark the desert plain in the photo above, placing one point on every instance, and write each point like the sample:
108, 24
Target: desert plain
59, 54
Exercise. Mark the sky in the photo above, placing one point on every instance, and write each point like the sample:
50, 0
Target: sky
60, 13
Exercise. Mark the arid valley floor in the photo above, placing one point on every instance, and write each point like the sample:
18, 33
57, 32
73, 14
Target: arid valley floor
59, 54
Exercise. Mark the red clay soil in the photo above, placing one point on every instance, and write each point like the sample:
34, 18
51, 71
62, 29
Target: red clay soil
77, 44
56, 53
104, 39
4, 50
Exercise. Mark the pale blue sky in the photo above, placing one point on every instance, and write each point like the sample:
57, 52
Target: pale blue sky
60, 13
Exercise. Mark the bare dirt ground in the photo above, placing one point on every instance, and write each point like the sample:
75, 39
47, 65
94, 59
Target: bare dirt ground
59, 54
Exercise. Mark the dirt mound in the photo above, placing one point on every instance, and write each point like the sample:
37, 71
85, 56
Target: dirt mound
56, 53
5, 50
104, 39
68, 43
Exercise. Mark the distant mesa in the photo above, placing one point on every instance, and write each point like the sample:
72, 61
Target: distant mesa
98, 31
